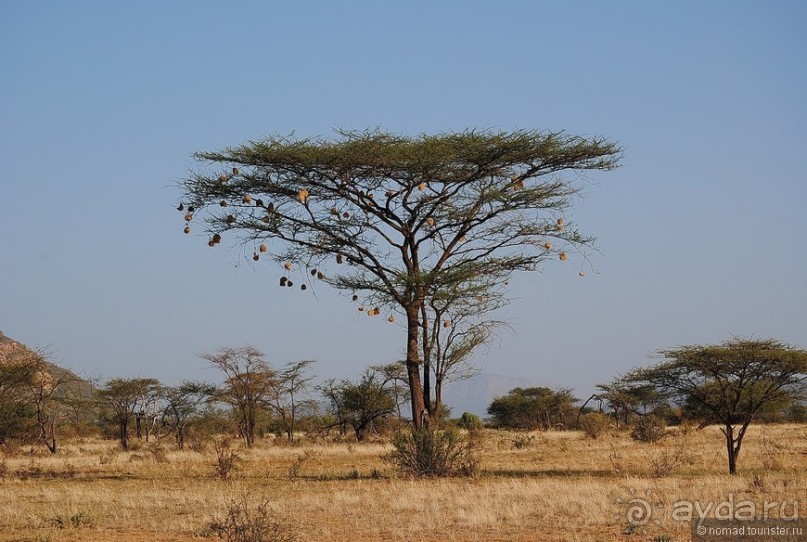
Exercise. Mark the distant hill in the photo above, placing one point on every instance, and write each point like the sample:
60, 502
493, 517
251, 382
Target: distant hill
476, 393
11, 351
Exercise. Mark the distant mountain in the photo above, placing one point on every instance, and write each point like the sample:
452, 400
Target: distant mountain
12, 351
476, 393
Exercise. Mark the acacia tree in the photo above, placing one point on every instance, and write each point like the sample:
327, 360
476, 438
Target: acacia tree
247, 385
182, 406
360, 404
731, 382
284, 394
532, 408
414, 219
124, 397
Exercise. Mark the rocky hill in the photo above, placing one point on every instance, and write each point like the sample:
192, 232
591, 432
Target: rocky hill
12, 351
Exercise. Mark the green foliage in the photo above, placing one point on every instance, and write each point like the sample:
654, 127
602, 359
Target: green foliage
470, 422
361, 404
594, 424
532, 408
429, 452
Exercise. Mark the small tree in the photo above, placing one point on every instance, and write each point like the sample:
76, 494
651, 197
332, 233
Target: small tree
732, 382
423, 224
248, 384
360, 404
284, 394
183, 405
124, 398
532, 408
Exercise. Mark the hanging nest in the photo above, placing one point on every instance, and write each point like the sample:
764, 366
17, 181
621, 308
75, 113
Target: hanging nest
302, 195
263, 248
563, 257
287, 266
187, 229
548, 245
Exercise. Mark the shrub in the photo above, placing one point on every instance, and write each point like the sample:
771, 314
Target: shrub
523, 441
594, 424
667, 460
428, 452
650, 428
226, 459
470, 422
244, 523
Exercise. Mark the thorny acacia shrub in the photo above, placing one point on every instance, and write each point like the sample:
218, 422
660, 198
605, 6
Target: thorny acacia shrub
429, 452
244, 523
594, 424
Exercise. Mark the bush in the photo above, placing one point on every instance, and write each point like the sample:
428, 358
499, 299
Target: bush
470, 422
226, 459
594, 424
243, 523
427, 452
650, 428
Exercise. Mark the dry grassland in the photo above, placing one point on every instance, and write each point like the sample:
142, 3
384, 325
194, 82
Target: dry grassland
536, 487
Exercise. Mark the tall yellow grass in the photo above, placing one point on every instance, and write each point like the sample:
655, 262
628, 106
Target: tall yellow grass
541, 486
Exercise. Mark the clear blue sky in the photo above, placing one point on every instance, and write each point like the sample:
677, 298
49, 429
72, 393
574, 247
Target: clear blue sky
101, 104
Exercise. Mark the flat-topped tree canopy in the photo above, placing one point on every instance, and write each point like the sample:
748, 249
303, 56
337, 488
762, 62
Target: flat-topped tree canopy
419, 222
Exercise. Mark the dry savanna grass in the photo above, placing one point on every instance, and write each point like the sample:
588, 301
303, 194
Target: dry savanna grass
531, 487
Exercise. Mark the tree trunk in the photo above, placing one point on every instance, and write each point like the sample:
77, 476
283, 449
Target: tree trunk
728, 431
180, 437
413, 366
124, 435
